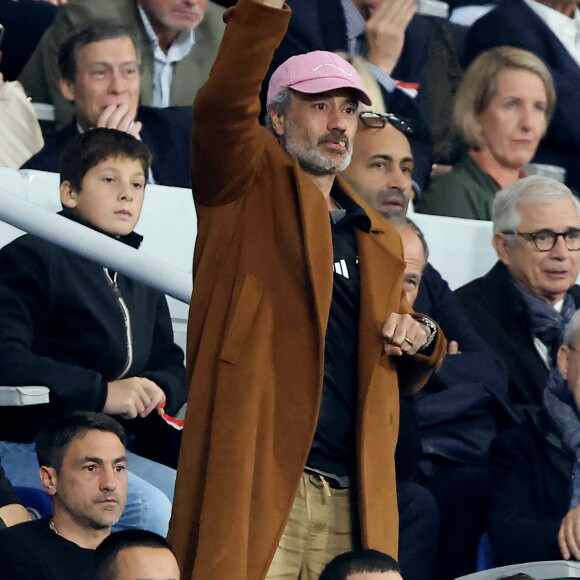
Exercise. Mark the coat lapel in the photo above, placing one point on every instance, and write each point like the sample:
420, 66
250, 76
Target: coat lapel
317, 244
379, 270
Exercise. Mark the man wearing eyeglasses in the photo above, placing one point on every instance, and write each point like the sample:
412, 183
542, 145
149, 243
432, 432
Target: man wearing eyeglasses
522, 304
300, 337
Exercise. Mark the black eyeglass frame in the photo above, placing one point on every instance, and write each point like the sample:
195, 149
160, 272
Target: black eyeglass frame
403, 125
533, 237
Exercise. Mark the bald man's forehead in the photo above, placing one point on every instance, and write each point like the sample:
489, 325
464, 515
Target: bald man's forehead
387, 141
143, 563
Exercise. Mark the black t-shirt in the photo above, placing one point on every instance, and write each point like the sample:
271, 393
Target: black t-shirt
334, 447
32, 551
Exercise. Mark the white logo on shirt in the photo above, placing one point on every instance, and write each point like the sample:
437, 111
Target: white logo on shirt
341, 268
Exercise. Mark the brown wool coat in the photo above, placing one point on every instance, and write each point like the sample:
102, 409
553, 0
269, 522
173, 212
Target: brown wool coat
259, 310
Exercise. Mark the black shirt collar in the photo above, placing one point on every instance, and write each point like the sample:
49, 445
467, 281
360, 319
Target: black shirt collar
133, 239
355, 214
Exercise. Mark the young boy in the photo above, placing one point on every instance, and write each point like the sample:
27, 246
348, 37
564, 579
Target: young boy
97, 339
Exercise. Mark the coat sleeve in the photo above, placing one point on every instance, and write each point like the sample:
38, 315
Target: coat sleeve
165, 366
517, 531
29, 281
229, 142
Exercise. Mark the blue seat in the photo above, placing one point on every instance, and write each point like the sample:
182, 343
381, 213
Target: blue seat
36, 499
485, 559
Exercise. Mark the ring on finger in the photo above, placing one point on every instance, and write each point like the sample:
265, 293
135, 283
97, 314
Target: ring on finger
408, 341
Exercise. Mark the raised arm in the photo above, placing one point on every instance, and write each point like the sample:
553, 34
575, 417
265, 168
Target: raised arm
228, 144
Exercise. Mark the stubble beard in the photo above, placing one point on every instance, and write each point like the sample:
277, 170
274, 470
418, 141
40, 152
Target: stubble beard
309, 156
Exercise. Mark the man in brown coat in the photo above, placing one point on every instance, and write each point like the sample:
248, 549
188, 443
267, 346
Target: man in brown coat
299, 334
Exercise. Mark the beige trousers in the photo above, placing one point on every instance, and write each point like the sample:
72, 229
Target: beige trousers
319, 528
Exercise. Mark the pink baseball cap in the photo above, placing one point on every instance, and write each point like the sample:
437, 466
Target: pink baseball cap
316, 72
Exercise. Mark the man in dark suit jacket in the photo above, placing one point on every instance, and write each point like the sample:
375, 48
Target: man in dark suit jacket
410, 53
99, 69
514, 23
520, 306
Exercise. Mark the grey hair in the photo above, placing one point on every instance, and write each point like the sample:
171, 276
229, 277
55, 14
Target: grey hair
400, 222
572, 329
534, 189
280, 104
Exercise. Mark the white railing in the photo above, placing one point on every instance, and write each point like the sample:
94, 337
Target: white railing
95, 246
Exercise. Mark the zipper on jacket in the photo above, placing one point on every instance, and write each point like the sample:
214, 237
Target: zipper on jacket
126, 319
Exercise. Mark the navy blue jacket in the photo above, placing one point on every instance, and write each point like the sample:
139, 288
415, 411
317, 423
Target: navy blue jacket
530, 474
464, 403
458, 411
167, 133
513, 23
62, 326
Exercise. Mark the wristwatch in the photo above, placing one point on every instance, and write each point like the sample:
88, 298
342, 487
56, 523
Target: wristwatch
431, 326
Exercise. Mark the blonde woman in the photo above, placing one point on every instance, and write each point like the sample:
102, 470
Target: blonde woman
502, 110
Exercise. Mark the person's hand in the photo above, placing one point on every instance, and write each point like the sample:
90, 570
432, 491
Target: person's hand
120, 117
403, 334
453, 347
569, 535
438, 169
385, 32
131, 397
53, 2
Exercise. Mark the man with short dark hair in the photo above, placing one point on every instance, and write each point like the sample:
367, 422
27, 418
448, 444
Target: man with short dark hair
381, 171
99, 73
180, 39
135, 554
83, 466
362, 565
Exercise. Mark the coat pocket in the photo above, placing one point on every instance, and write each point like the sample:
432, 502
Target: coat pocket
241, 320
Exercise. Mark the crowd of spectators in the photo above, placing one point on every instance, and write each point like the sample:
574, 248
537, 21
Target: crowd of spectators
490, 444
